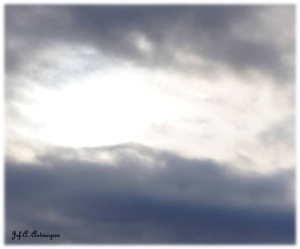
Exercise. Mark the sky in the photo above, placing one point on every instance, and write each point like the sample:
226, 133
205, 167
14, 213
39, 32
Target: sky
134, 124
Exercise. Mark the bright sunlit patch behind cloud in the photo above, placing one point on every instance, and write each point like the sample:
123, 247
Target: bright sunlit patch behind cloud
103, 108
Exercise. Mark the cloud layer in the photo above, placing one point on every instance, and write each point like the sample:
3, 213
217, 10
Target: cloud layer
150, 124
148, 196
216, 34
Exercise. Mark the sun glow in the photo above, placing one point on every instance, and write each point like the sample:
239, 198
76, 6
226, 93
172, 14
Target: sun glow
98, 109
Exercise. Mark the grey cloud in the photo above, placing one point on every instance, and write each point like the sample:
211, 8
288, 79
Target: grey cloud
204, 31
185, 201
28, 29
281, 133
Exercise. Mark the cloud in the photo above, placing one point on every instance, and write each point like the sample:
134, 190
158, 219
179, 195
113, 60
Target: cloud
176, 200
208, 90
216, 34
176, 77
211, 33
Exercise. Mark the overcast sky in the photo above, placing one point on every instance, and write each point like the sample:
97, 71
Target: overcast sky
150, 124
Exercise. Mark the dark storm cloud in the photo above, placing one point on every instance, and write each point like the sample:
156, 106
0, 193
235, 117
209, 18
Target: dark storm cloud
205, 31
185, 201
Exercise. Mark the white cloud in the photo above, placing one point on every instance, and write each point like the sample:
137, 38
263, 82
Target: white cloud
170, 110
